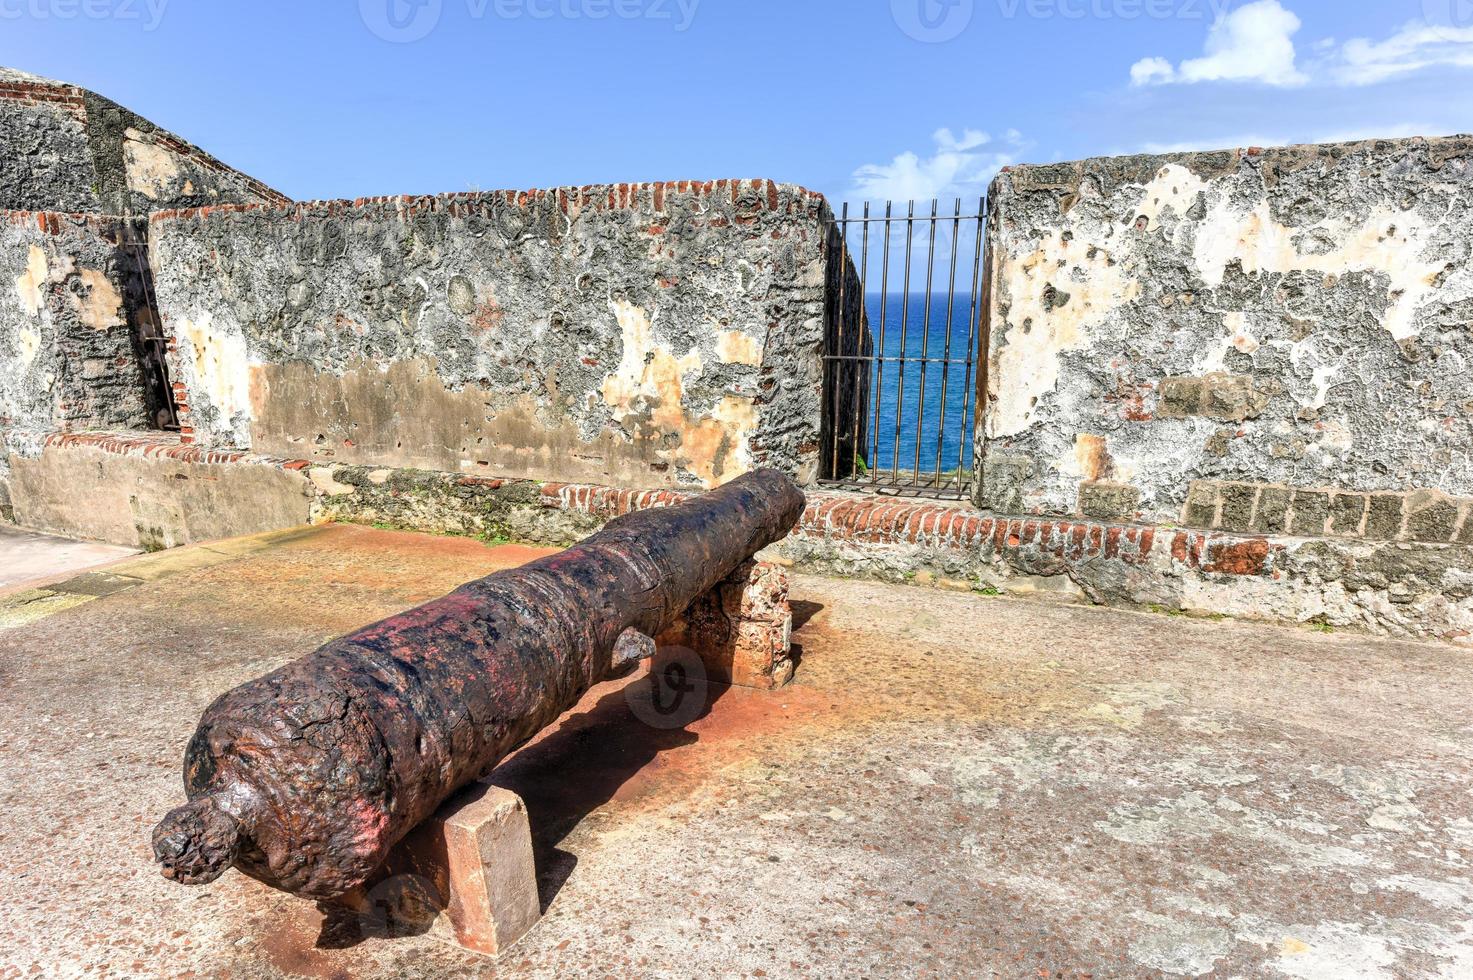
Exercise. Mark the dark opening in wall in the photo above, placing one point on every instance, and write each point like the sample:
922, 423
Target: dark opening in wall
145, 325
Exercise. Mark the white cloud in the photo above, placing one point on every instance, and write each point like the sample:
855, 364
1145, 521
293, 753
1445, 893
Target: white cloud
1254, 43
1149, 70
970, 140
1391, 131
1416, 46
961, 166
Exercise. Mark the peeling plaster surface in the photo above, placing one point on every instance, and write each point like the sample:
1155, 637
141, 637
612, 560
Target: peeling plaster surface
219, 360
66, 355
31, 282
1338, 278
153, 171
633, 335
99, 301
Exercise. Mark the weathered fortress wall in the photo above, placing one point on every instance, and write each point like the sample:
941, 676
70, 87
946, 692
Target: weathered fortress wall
75, 169
1271, 341
1223, 383
67, 355
639, 334
71, 150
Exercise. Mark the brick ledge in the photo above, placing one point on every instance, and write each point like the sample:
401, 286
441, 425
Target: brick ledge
830, 515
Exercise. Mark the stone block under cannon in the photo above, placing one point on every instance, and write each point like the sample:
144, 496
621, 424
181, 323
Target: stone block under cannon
306, 778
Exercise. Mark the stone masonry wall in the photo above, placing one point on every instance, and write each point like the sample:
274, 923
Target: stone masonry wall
46, 163
67, 357
1273, 341
150, 490
635, 334
63, 148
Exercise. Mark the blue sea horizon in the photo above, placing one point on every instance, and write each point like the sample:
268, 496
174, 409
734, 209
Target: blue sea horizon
942, 422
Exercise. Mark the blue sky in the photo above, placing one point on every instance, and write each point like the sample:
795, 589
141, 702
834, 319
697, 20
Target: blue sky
856, 98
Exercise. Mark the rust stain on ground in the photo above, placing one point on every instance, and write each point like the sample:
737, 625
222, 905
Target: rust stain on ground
290, 940
954, 782
342, 577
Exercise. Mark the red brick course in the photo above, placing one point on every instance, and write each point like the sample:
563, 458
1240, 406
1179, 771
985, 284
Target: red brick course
646, 198
37, 92
55, 222
830, 516
162, 445
885, 521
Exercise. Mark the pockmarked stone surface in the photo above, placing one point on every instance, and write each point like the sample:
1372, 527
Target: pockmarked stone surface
954, 784
637, 334
1292, 316
67, 294
742, 629
70, 150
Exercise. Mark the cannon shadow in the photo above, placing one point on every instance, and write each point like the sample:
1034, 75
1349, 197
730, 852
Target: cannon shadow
562, 777
580, 766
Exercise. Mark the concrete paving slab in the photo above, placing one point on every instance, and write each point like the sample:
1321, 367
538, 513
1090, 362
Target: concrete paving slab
957, 785
27, 557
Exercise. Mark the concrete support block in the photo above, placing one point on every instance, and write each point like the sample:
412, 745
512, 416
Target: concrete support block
742, 629
465, 876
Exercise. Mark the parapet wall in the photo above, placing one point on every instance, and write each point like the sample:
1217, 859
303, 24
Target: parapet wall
67, 356
637, 334
1233, 383
1274, 341
63, 148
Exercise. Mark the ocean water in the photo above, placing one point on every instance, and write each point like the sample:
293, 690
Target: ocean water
943, 421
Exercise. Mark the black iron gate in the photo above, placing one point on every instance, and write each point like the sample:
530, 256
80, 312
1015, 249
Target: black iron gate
902, 363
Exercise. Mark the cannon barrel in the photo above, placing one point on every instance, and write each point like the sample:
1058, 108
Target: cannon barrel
306, 778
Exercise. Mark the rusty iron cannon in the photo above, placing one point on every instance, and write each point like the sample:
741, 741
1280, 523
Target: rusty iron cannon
306, 778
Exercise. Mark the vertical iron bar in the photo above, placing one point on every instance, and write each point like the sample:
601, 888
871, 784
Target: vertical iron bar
880, 351
915, 475
956, 228
904, 330
836, 376
972, 351
157, 344
865, 364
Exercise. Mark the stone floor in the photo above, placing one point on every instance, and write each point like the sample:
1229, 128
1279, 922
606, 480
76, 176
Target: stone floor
957, 785
27, 557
